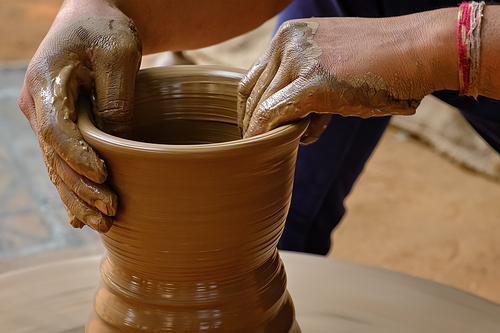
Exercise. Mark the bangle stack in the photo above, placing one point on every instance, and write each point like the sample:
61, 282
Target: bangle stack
468, 46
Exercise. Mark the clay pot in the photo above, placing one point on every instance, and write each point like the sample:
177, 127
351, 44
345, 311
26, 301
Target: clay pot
193, 245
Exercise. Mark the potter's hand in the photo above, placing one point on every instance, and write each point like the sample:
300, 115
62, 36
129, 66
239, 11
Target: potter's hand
348, 66
99, 54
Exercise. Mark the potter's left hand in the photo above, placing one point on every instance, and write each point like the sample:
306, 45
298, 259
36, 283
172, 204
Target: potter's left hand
349, 66
94, 48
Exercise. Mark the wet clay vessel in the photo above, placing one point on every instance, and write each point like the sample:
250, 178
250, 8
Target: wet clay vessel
193, 245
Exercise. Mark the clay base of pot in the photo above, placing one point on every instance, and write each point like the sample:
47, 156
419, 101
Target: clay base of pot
95, 324
118, 309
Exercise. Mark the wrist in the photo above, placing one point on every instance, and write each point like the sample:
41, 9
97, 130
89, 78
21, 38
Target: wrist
421, 52
439, 49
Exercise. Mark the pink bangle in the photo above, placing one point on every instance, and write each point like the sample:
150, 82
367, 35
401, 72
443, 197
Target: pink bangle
468, 46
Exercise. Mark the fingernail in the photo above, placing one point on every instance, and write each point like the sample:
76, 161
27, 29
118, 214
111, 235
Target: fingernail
76, 223
101, 224
95, 171
92, 221
105, 224
97, 176
99, 204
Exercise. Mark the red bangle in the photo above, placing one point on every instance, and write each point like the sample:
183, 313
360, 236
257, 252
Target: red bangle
468, 46
463, 28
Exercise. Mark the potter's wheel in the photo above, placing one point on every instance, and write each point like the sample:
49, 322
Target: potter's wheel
329, 295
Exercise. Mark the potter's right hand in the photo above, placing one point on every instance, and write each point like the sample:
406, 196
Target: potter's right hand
348, 66
94, 48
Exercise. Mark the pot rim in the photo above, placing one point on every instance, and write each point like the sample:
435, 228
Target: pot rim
95, 136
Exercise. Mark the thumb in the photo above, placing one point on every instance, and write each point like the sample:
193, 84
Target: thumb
317, 125
115, 68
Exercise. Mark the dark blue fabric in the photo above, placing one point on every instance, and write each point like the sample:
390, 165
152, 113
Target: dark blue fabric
324, 175
327, 169
483, 114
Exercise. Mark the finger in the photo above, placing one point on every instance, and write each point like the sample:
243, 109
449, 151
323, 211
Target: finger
115, 69
270, 74
245, 87
283, 106
58, 130
76, 223
99, 196
55, 118
79, 209
248, 84
317, 124
258, 91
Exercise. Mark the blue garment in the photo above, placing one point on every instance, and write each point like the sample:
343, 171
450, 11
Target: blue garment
326, 170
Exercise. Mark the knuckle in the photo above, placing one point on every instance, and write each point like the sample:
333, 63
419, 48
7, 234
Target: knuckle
25, 103
288, 27
243, 87
59, 184
50, 156
116, 111
261, 115
115, 38
46, 131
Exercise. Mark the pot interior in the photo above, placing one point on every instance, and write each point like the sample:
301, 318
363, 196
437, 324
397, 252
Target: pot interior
164, 129
194, 108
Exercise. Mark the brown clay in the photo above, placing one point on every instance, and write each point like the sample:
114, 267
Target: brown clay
193, 244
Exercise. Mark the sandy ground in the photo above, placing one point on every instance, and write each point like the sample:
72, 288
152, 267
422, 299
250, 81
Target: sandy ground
23, 24
411, 211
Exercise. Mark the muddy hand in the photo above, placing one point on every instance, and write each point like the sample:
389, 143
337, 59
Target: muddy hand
99, 56
347, 66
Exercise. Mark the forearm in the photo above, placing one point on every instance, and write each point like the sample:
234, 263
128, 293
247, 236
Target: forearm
189, 24
179, 24
489, 71
441, 56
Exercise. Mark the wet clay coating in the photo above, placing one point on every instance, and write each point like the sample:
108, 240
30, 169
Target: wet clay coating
98, 55
193, 246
